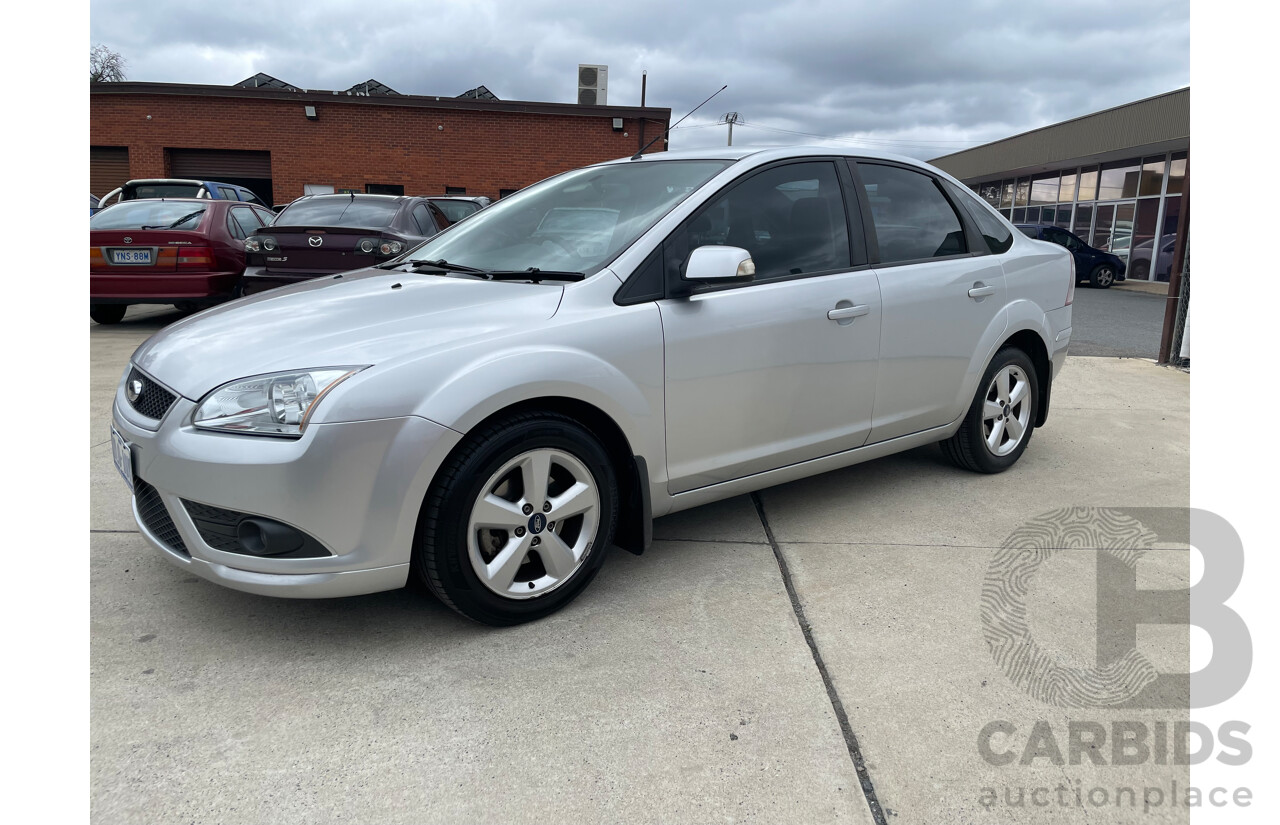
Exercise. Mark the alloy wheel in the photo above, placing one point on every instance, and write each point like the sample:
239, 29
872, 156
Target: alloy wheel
1006, 413
533, 523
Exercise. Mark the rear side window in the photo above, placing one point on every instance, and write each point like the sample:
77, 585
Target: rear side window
228, 193
1029, 231
422, 218
340, 210
264, 215
183, 215
243, 222
997, 235
913, 219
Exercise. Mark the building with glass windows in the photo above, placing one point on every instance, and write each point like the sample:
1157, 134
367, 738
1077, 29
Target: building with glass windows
1113, 178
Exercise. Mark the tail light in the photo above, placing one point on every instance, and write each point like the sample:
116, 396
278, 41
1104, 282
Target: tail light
1071, 288
195, 257
96, 258
379, 246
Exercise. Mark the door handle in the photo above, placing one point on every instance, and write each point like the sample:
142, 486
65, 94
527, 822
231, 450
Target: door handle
841, 313
981, 290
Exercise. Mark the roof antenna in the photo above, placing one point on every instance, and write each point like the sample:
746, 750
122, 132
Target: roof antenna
667, 131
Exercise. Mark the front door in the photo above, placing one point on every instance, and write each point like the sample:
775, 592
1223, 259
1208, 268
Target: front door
781, 370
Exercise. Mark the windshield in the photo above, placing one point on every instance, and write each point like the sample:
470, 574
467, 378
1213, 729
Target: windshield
161, 190
153, 214
457, 210
342, 210
575, 222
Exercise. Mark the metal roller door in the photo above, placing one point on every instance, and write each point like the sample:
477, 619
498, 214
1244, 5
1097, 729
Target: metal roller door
245, 168
108, 168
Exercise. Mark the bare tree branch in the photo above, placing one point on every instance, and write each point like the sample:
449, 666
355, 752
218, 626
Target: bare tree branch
105, 65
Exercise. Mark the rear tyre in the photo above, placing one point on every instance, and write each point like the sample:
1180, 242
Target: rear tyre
1103, 276
998, 427
518, 520
108, 313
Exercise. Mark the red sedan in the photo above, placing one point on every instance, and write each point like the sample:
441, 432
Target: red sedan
187, 252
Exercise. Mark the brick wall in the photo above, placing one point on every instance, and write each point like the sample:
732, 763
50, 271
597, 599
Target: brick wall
354, 143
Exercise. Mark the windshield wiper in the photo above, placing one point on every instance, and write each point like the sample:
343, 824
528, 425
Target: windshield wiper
534, 274
437, 264
176, 223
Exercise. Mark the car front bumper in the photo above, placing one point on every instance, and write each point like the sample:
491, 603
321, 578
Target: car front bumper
354, 487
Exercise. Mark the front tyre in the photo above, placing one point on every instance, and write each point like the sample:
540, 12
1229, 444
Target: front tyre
1103, 276
996, 430
519, 519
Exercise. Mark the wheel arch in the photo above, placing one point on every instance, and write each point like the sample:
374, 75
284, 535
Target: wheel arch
1032, 343
634, 532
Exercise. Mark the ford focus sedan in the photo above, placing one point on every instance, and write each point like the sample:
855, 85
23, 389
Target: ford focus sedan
496, 411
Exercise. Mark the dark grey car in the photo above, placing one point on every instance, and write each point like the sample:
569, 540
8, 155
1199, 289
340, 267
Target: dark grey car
320, 235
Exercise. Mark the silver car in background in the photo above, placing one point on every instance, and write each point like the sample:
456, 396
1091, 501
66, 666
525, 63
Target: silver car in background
494, 411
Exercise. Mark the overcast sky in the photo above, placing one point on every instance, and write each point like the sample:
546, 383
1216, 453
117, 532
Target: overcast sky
923, 79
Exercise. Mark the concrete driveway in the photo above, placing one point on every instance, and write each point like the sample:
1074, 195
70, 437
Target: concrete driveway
814, 653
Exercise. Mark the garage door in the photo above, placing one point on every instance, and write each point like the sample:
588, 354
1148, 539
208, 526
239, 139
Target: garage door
108, 168
249, 169
219, 164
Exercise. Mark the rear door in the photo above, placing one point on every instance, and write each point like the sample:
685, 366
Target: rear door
941, 293
783, 369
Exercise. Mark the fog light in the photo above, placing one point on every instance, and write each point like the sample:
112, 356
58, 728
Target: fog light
262, 537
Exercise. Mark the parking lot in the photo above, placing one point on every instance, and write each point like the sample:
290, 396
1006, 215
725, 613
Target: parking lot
744, 669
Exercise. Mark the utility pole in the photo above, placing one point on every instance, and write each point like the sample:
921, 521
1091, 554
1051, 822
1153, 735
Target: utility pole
731, 118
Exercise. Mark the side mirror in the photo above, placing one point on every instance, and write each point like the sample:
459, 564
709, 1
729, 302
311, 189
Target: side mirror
719, 265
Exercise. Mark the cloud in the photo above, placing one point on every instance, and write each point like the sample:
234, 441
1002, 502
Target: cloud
921, 78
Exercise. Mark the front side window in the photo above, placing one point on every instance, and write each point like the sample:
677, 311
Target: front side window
913, 219
790, 218
575, 222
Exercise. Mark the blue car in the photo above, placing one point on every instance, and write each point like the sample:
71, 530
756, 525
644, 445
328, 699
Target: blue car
178, 188
1100, 269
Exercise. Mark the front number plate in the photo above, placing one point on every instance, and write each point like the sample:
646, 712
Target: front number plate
123, 456
130, 256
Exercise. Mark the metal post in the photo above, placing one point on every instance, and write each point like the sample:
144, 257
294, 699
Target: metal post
1175, 275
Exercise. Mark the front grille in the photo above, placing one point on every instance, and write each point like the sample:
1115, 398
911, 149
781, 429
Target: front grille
153, 401
155, 516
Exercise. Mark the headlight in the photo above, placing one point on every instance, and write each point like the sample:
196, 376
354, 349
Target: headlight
277, 404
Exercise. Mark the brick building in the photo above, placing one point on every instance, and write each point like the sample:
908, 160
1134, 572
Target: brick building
282, 142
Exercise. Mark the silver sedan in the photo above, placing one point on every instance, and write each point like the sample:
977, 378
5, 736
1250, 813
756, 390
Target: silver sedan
497, 409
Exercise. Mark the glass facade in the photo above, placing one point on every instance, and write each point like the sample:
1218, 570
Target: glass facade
1129, 207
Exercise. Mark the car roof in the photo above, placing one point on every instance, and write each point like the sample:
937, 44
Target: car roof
362, 195
767, 153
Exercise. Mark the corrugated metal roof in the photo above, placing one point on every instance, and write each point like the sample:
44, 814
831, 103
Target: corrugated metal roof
1155, 120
